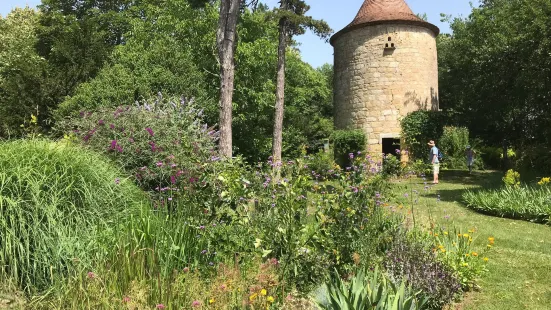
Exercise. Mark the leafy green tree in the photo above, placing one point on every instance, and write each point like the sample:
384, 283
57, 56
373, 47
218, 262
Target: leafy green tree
162, 56
495, 71
21, 72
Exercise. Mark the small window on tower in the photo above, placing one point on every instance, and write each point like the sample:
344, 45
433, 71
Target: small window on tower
390, 44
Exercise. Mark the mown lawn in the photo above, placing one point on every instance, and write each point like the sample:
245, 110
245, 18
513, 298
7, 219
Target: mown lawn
519, 274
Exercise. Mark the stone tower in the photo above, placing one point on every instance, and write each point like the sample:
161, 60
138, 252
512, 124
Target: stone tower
385, 67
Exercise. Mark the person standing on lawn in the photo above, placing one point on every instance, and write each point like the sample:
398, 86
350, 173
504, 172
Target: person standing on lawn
469, 153
433, 157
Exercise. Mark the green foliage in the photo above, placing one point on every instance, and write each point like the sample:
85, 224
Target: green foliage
161, 143
69, 31
420, 167
491, 156
412, 258
454, 141
392, 165
156, 58
512, 178
323, 165
21, 71
535, 158
346, 144
420, 127
517, 202
55, 201
491, 75
455, 249
370, 290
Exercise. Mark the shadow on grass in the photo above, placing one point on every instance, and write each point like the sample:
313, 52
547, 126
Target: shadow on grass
477, 181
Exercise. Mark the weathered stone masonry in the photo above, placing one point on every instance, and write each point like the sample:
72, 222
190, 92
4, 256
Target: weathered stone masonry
383, 71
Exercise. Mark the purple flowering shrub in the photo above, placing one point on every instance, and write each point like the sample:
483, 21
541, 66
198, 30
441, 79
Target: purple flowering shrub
161, 144
415, 261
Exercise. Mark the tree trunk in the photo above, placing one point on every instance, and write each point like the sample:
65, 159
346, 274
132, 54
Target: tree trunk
280, 90
226, 41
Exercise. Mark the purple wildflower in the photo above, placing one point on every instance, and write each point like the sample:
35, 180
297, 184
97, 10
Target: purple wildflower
117, 181
172, 179
101, 122
159, 164
150, 131
111, 126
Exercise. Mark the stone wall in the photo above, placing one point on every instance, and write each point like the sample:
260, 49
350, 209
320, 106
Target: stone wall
375, 86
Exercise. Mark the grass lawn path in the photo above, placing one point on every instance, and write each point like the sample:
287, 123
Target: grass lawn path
519, 274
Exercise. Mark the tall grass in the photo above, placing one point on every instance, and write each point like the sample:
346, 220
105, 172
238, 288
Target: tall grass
526, 203
149, 250
55, 200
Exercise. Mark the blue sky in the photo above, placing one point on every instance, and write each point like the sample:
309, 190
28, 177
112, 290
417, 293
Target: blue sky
337, 13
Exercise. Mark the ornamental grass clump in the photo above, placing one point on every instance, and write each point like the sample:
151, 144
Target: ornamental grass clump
55, 200
522, 202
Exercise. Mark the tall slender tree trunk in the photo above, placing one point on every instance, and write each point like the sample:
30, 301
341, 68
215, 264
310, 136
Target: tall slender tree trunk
280, 89
226, 41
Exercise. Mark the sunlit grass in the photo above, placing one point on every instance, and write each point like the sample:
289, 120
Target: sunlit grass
520, 262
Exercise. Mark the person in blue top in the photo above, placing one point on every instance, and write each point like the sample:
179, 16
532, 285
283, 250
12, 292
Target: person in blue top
433, 157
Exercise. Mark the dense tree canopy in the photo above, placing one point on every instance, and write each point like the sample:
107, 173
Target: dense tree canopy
495, 71
82, 55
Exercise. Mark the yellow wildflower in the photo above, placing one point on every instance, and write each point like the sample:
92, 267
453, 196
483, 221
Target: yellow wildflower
443, 250
459, 235
464, 264
489, 246
263, 292
467, 255
466, 235
211, 301
471, 231
270, 299
446, 233
253, 296
475, 254
486, 259
436, 235
491, 239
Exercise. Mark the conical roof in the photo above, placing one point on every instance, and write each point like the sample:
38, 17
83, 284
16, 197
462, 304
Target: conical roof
375, 12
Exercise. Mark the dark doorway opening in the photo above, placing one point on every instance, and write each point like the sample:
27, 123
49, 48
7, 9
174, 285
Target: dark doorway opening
390, 145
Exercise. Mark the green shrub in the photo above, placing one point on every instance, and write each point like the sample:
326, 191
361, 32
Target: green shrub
420, 167
455, 249
162, 144
55, 200
491, 156
412, 258
517, 202
512, 178
370, 290
347, 143
323, 165
418, 128
392, 165
454, 141
535, 158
